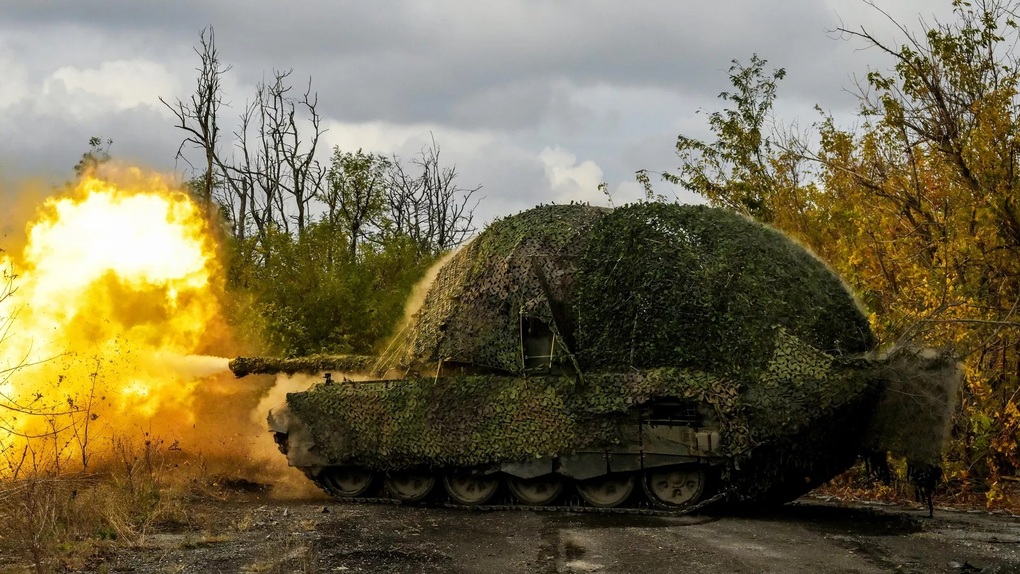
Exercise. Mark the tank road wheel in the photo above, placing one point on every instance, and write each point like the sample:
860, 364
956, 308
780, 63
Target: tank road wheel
675, 487
607, 491
347, 482
470, 489
410, 486
536, 491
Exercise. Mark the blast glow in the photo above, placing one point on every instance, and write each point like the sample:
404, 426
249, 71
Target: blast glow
116, 287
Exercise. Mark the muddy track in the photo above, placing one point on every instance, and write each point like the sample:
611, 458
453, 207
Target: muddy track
805, 537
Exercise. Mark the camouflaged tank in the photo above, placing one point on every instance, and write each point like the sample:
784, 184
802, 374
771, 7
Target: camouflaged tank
653, 352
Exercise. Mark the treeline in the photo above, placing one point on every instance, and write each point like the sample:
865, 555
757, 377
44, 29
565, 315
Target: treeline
918, 208
324, 245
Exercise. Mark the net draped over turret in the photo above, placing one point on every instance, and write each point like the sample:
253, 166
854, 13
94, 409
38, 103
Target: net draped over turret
642, 286
687, 349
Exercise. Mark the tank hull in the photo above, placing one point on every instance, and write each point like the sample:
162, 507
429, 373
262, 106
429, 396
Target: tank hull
727, 432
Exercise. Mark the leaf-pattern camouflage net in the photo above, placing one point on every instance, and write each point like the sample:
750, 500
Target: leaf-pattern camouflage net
479, 420
914, 415
312, 364
646, 285
472, 314
692, 286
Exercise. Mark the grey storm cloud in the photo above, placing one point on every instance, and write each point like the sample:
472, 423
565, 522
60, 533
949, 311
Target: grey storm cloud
534, 100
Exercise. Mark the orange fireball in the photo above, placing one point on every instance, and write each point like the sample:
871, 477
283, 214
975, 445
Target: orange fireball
115, 286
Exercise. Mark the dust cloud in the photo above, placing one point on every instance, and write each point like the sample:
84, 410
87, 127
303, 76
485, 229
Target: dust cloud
192, 366
388, 361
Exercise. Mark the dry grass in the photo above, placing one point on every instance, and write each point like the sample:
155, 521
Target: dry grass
59, 522
66, 522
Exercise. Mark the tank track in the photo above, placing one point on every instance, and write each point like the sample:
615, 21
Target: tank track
574, 505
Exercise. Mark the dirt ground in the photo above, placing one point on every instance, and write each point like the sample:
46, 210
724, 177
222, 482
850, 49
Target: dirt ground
808, 536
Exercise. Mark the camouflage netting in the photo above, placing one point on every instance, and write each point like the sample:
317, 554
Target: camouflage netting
473, 312
477, 420
312, 364
692, 286
646, 285
913, 417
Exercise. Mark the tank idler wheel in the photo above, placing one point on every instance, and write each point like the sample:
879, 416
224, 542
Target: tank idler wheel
536, 491
676, 487
347, 482
470, 489
607, 491
409, 486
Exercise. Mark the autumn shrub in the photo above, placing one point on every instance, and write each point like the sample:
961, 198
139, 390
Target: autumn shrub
914, 205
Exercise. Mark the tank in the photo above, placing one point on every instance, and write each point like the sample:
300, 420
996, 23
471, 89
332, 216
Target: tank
652, 354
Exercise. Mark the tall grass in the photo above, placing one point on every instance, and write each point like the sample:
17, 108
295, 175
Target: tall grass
59, 521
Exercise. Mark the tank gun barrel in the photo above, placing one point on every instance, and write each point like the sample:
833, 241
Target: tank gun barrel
312, 364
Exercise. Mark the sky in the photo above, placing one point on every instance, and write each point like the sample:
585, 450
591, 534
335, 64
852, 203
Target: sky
536, 101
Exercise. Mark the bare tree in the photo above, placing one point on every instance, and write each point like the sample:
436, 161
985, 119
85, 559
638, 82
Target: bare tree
299, 174
241, 179
430, 207
272, 176
448, 218
12, 405
277, 141
277, 170
404, 194
198, 116
7, 289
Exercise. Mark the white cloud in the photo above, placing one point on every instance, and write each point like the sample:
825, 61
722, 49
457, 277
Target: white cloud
118, 85
570, 180
15, 86
402, 139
